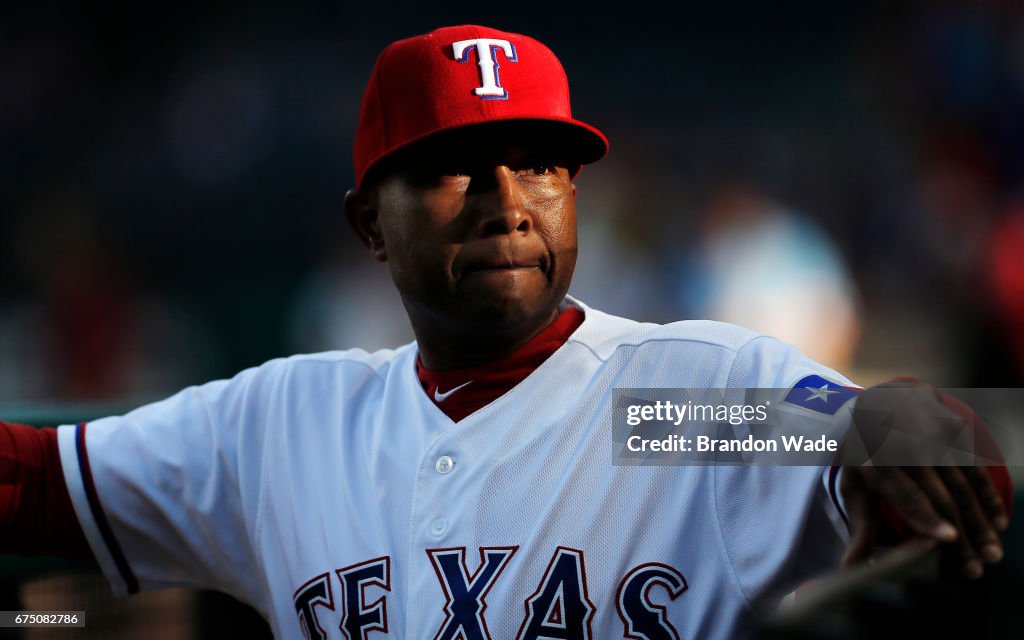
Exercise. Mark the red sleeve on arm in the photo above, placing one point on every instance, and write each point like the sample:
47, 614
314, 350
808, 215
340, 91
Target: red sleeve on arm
36, 515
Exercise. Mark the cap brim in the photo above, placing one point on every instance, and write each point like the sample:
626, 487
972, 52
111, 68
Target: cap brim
581, 142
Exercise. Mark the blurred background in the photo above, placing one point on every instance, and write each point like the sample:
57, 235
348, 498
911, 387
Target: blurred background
846, 175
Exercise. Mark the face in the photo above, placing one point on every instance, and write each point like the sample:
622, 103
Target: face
478, 237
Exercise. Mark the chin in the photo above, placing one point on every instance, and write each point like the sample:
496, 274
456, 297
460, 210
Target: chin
507, 312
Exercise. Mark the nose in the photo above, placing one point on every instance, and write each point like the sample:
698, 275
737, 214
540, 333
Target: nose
502, 210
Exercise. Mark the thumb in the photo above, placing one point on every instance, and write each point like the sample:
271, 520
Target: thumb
863, 512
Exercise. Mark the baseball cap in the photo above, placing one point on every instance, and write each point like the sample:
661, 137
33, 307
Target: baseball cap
464, 76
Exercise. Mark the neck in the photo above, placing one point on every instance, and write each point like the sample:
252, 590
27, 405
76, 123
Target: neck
447, 348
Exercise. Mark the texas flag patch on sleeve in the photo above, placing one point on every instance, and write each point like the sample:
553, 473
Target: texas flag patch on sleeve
818, 394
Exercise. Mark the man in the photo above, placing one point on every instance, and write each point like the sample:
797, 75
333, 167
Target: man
461, 486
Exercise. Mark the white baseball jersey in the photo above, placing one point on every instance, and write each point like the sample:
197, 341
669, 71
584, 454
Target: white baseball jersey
330, 493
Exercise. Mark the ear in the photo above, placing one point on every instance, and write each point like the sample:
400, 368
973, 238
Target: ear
361, 212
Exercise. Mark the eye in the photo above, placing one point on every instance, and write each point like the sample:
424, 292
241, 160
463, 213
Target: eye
540, 169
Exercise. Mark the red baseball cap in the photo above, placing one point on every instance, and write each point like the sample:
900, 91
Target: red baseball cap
456, 77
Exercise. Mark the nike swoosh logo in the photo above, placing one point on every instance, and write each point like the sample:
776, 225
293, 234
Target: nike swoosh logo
441, 397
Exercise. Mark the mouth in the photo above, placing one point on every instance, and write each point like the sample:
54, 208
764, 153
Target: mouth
511, 266
499, 264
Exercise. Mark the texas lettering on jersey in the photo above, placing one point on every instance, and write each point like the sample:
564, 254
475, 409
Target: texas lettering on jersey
559, 608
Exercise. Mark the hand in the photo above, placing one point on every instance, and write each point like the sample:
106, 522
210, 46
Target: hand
956, 505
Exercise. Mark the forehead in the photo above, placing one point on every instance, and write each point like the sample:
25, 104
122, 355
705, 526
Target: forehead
510, 142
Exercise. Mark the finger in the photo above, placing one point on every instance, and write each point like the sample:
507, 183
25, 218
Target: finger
914, 505
934, 486
933, 483
987, 495
862, 543
977, 527
863, 513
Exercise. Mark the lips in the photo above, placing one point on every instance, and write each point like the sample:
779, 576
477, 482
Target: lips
498, 259
501, 265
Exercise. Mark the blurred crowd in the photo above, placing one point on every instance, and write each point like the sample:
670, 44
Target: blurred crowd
847, 178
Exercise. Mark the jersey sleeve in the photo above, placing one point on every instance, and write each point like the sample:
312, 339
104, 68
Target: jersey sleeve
782, 525
167, 494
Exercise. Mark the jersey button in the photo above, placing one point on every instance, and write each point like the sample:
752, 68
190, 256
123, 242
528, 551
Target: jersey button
444, 464
438, 527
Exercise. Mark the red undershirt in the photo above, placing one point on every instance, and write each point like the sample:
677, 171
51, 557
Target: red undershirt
460, 392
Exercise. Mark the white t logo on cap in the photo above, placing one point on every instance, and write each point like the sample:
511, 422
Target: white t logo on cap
486, 53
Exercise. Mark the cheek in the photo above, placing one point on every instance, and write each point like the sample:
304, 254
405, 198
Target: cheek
560, 228
419, 219
567, 231
418, 257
